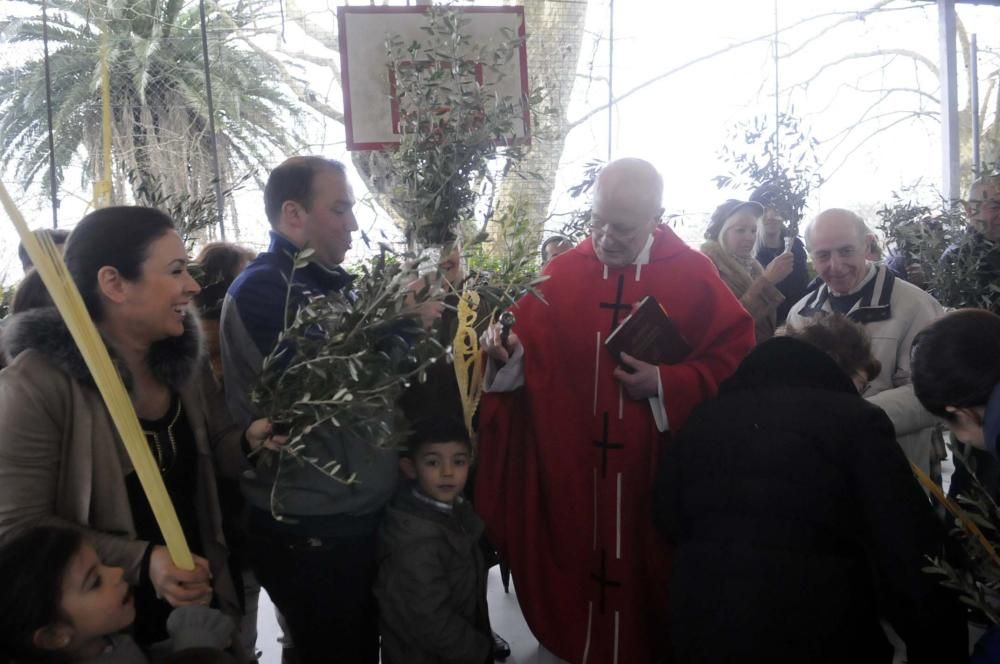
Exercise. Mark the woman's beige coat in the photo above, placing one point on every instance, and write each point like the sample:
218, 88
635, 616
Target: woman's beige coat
62, 462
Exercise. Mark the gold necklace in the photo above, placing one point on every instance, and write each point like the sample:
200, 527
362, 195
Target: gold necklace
154, 436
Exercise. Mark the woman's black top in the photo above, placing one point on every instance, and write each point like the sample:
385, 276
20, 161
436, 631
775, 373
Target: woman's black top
172, 443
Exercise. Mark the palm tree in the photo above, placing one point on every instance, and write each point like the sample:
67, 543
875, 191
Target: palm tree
158, 96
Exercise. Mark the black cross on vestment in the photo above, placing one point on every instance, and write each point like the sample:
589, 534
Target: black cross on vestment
603, 580
604, 445
617, 306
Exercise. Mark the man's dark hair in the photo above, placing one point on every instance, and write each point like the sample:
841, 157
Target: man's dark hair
58, 236
956, 361
845, 341
292, 180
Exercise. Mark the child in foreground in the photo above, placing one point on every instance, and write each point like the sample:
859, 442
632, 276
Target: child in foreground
431, 585
59, 603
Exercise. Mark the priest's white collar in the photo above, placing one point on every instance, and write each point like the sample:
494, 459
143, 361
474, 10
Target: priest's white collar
640, 260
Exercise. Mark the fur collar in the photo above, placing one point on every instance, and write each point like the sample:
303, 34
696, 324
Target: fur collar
173, 360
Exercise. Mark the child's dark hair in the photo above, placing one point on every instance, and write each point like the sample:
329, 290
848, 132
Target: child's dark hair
436, 427
433, 411
33, 563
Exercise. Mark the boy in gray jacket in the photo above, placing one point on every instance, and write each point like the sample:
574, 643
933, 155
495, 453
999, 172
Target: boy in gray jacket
431, 586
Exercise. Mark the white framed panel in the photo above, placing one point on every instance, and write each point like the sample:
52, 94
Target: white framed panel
370, 111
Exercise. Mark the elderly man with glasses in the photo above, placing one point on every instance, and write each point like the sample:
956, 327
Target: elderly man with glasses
570, 433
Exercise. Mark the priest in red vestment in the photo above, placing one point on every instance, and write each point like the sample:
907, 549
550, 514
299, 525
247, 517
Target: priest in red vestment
569, 439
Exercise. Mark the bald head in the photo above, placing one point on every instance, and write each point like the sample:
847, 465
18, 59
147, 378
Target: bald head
628, 203
838, 217
837, 241
634, 182
983, 207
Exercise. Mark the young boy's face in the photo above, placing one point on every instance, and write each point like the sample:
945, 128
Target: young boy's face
440, 469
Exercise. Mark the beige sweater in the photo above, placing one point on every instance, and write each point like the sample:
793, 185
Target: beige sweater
757, 295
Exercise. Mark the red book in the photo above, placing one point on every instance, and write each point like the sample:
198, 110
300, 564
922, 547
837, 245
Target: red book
648, 334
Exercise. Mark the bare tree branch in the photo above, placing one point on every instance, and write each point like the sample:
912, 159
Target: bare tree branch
850, 17
916, 91
909, 116
844, 133
301, 90
880, 53
858, 15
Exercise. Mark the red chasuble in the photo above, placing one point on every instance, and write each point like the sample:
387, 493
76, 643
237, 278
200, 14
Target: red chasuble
567, 462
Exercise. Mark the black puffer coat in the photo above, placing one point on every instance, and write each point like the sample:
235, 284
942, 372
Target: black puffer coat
798, 524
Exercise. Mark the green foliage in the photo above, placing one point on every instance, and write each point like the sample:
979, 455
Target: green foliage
978, 579
6, 299
955, 263
505, 271
783, 156
341, 364
192, 214
578, 225
455, 131
158, 97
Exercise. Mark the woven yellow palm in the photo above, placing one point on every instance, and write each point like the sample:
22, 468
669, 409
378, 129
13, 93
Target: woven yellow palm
468, 359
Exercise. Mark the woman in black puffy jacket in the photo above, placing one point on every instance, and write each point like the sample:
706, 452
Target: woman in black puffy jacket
796, 521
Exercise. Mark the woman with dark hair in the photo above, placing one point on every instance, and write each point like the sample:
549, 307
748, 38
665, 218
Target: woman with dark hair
956, 375
796, 522
61, 460
219, 263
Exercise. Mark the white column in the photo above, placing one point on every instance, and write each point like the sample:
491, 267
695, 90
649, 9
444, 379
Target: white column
949, 100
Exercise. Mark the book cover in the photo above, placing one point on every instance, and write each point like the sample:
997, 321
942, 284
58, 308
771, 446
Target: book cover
648, 334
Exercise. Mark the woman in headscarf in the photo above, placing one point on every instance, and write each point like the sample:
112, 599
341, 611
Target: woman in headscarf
731, 238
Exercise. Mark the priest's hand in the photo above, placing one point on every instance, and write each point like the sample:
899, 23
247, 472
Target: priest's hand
490, 342
643, 382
